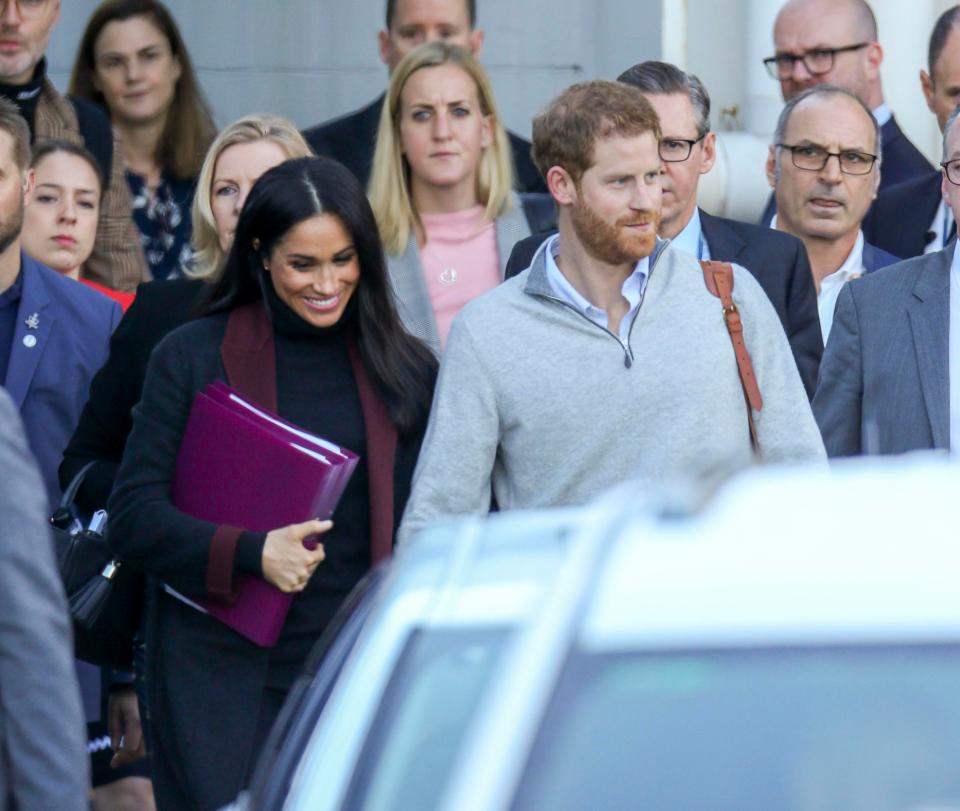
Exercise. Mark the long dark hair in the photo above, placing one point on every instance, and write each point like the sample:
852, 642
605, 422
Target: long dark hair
189, 128
401, 367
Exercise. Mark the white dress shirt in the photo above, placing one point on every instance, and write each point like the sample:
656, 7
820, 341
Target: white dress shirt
940, 228
882, 114
851, 268
632, 291
953, 351
691, 240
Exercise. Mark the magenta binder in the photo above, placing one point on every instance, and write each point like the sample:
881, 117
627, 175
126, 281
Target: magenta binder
243, 466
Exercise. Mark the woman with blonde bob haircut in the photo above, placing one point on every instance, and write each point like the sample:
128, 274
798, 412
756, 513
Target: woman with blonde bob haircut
442, 188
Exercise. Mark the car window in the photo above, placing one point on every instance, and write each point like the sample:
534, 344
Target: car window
423, 717
858, 729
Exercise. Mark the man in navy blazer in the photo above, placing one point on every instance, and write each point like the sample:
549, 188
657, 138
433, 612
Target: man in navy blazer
54, 331
835, 42
688, 150
890, 380
351, 138
912, 218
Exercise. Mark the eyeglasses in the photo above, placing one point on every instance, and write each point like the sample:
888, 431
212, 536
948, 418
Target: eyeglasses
28, 9
952, 169
677, 150
817, 62
813, 158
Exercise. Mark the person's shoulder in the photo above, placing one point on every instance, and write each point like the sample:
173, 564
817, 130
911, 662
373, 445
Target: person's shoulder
78, 302
902, 274
164, 293
343, 128
200, 337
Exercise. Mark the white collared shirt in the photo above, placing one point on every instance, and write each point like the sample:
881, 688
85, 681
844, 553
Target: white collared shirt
851, 268
632, 290
691, 240
882, 114
940, 228
953, 352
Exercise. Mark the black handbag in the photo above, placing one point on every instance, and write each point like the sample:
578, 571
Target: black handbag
105, 596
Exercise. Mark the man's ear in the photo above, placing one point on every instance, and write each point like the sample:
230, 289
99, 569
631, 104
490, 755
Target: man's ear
709, 152
873, 54
475, 42
561, 186
383, 45
29, 182
926, 84
772, 166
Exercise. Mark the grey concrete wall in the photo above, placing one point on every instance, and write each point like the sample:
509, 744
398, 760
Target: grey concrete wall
313, 59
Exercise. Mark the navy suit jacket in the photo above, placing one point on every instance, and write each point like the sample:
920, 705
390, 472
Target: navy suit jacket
776, 260
49, 381
351, 139
900, 218
902, 161
875, 258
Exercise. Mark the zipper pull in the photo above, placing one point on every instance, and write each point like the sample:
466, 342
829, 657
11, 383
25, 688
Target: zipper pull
626, 360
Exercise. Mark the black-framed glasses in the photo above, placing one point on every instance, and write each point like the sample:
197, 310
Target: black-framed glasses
813, 158
677, 150
952, 170
817, 61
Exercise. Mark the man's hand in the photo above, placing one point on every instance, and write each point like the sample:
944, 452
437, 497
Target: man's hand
123, 726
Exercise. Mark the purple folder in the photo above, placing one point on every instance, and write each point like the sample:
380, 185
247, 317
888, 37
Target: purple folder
243, 466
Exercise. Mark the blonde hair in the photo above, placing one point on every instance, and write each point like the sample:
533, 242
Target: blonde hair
208, 257
390, 181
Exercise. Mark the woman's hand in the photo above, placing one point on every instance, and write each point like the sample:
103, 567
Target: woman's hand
286, 562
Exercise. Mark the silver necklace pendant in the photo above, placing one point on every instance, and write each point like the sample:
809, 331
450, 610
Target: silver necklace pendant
448, 276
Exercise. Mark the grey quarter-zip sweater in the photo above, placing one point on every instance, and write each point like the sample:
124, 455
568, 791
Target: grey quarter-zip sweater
540, 406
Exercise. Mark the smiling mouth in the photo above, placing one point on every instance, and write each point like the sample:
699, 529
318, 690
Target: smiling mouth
323, 305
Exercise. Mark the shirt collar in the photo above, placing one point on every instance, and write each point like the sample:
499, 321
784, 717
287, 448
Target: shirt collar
689, 238
882, 114
852, 266
631, 288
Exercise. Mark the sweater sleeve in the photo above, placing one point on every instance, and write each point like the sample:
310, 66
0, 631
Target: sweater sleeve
786, 429
453, 473
195, 557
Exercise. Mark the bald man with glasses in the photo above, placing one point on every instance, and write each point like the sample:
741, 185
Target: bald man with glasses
835, 42
824, 167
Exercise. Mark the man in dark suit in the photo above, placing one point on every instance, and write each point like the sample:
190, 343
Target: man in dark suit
688, 150
54, 331
351, 139
890, 380
835, 42
824, 166
912, 218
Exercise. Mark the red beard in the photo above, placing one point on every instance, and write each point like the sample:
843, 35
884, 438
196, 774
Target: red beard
613, 243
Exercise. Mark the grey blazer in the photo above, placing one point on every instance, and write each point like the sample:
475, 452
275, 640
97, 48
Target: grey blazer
43, 755
410, 288
884, 378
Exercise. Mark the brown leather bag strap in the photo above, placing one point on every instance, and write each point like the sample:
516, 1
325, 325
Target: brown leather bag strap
718, 277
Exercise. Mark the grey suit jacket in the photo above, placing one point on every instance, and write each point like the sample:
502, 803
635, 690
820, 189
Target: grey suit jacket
884, 384
410, 288
43, 756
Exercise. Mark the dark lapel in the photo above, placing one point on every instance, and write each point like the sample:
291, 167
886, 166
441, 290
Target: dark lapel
34, 306
722, 241
249, 358
929, 314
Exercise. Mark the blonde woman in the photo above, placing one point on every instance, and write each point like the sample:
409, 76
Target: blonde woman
441, 188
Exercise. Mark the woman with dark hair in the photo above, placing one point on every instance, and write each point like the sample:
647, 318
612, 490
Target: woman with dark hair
303, 318
132, 61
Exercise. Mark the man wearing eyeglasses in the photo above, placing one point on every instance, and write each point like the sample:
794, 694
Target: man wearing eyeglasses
117, 260
890, 379
912, 218
835, 42
824, 166
688, 151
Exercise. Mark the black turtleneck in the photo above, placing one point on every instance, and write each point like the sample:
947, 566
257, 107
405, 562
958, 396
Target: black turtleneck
316, 390
25, 96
